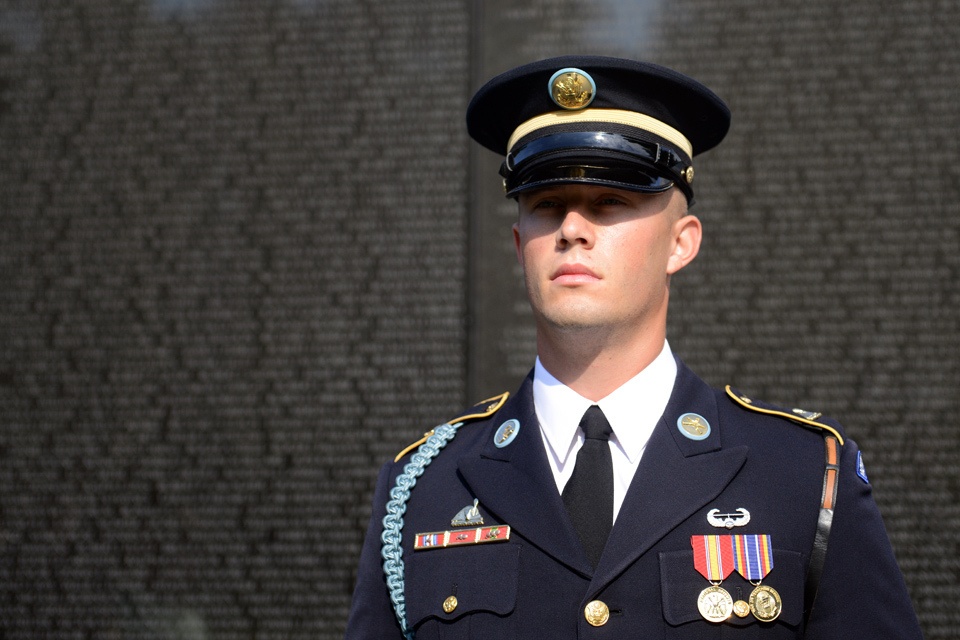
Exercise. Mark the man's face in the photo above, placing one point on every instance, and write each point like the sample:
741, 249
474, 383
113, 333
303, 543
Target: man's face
597, 257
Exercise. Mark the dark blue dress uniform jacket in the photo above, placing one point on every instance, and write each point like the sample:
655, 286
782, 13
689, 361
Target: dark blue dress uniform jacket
537, 584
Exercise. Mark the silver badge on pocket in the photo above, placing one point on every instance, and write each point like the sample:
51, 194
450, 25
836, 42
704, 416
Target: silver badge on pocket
738, 518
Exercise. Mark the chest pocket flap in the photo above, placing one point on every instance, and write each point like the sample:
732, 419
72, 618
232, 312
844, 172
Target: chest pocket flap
481, 578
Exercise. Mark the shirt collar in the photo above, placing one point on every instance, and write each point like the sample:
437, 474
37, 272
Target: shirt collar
633, 409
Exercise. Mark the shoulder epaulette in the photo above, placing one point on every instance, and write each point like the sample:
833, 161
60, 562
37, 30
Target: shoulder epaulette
483, 409
808, 418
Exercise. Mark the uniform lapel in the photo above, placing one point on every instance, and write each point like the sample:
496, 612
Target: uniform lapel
515, 484
676, 477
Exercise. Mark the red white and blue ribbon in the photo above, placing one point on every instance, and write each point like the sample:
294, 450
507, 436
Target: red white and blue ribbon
753, 556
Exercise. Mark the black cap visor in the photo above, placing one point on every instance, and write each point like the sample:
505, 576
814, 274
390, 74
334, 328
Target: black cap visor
598, 158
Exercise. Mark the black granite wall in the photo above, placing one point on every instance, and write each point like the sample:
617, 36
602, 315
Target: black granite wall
247, 253
233, 252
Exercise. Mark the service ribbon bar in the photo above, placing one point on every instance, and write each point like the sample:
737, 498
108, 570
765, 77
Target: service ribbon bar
753, 556
458, 537
713, 556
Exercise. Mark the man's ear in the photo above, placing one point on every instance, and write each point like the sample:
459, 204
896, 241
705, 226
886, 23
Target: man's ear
687, 234
516, 242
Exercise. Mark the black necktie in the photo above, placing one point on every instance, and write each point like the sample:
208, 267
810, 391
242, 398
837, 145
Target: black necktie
589, 492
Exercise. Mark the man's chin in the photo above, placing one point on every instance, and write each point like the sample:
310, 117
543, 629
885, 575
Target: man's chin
576, 321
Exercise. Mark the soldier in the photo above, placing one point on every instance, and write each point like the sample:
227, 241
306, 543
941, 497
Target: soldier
617, 495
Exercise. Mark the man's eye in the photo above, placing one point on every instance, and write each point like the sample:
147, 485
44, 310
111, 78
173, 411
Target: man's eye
611, 201
546, 204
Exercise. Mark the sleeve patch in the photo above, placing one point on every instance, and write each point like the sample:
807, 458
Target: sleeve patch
861, 470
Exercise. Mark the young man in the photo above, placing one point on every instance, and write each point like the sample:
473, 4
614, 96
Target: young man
616, 495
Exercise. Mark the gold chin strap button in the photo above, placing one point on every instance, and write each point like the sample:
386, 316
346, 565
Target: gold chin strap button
597, 613
450, 604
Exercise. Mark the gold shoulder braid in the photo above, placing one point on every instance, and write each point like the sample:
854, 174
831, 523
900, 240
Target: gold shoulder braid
800, 416
483, 409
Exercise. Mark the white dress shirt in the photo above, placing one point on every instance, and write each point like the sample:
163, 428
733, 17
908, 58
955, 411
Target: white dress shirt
633, 410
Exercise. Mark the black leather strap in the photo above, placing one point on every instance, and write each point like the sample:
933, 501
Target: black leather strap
828, 499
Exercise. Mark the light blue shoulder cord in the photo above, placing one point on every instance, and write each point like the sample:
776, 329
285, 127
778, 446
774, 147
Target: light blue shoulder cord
391, 552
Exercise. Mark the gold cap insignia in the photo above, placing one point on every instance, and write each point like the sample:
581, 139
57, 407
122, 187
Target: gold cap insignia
572, 88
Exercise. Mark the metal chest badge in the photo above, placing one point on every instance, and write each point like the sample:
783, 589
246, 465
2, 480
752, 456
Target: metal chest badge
470, 517
738, 518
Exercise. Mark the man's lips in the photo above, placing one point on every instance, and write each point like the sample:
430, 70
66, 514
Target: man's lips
574, 273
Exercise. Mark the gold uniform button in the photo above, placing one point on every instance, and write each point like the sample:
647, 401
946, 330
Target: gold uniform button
741, 609
597, 613
450, 604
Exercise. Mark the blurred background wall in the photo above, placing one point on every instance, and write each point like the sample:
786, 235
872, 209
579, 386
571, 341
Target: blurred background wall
247, 253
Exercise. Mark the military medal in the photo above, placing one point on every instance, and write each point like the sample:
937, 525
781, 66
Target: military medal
713, 559
715, 604
753, 559
765, 603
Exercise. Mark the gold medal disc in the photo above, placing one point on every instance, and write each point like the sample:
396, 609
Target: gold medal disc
765, 603
715, 604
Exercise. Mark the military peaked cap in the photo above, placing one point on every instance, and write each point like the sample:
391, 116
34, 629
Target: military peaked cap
597, 120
